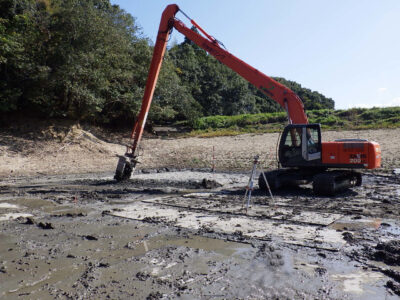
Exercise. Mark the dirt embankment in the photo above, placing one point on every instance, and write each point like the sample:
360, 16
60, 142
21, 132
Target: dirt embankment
66, 149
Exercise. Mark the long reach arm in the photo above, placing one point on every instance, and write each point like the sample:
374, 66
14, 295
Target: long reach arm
278, 92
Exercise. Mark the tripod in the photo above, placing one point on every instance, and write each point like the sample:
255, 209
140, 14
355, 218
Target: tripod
250, 184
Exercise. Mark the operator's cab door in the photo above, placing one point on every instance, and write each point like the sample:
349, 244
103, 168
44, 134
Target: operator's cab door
300, 145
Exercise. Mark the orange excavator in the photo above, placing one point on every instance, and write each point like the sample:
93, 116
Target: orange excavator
303, 157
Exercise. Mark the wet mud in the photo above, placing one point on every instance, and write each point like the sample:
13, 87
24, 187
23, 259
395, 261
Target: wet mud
388, 252
190, 235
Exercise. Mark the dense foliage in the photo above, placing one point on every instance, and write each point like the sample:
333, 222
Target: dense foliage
354, 118
88, 60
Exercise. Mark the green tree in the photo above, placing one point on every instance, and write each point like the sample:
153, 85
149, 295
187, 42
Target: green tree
88, 60
22, 34
93, 55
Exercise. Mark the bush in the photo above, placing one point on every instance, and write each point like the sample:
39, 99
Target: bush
244, 120
328, 118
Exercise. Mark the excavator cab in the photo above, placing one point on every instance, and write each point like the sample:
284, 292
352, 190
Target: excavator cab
300, 145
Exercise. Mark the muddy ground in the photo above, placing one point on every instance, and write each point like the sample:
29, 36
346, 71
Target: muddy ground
163, 236
170, 233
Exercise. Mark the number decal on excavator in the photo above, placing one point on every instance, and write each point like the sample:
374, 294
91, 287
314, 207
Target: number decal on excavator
357, 158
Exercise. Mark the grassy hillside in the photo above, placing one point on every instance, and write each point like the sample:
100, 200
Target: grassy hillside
355, 118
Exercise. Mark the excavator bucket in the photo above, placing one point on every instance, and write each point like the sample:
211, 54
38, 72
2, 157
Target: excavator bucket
124, 169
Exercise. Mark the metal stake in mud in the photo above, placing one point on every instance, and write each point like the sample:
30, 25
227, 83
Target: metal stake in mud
266, 181
250, 185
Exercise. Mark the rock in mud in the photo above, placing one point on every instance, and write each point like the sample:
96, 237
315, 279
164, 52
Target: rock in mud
388, 252
70, 215
210, 184
142, 276
395, 287
45, 226
154, 296
90, 238
29, 221
320, 271
348, 237
103, 265
392, 273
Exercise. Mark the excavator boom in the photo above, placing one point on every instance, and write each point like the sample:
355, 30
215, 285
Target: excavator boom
278, 92
301, 147
281, 94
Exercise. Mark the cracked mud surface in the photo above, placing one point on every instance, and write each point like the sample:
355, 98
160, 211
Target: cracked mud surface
163, 235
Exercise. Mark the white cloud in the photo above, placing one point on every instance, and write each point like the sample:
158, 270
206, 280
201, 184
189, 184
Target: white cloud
382, 89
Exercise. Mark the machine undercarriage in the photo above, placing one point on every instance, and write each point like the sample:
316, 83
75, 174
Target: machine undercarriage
324, 182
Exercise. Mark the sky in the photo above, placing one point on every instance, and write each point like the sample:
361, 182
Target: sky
348, 50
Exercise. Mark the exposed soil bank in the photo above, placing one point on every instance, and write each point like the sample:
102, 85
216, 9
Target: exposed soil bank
72, 150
